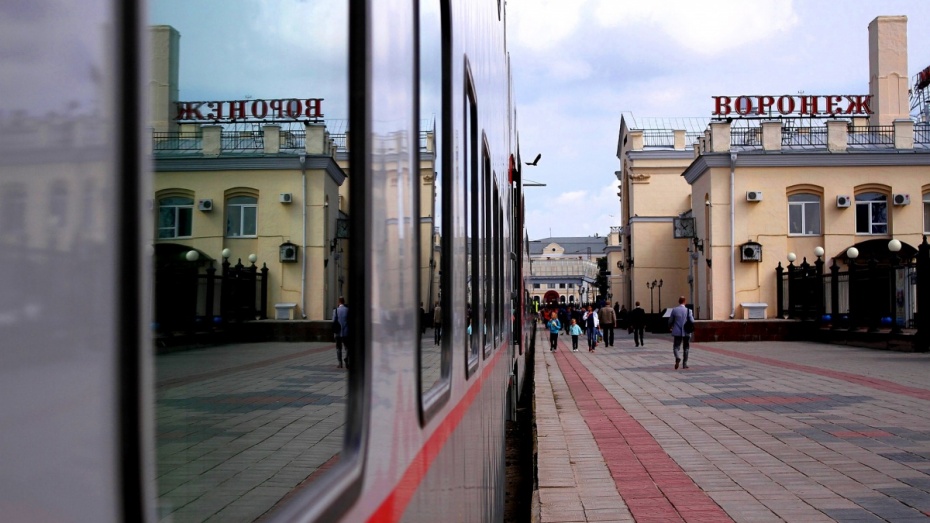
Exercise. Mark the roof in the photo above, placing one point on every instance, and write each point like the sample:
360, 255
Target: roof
572, 245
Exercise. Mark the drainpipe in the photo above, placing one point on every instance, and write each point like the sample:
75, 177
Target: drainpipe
303, 263
732, 235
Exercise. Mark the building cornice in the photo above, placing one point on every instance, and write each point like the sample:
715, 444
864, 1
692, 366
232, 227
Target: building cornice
782, 158
251, 163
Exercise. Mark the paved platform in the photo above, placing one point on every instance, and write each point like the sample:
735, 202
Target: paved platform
751, 432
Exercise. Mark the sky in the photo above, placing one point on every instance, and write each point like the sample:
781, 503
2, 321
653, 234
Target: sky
599, 59
577, 66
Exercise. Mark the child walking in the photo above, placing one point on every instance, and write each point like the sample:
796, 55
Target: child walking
554, 327
575, 331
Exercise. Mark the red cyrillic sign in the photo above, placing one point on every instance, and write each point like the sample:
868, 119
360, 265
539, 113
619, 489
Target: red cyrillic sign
288, 109
803, 105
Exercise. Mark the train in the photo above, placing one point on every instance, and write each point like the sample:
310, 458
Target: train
99, 426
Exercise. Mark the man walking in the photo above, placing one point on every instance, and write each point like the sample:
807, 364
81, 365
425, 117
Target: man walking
437, 324
676, 320
638, 324
341, 328
608, 321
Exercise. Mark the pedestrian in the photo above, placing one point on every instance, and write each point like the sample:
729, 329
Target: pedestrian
608, 319
575, 331
638, 324
591, 326
341, 331
677, 319
423, 319
622, 320
437, 324
554, 327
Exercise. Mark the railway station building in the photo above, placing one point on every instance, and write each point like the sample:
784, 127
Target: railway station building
564, 270
780, 182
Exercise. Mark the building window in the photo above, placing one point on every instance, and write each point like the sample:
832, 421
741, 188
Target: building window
804, 214
927, 213
571, 285
550, 285
561, 285
175, 214
535, 285
871, 213
241, 212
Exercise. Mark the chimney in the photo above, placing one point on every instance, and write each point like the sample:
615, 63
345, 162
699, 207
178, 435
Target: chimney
164, 85
888, 77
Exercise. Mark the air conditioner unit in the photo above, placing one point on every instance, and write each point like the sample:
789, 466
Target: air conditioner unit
843, 201
288, 252
754, 196
902, 199
750, 251
287, 197
205, 205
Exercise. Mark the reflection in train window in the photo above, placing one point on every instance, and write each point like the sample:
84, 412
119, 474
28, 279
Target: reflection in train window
486, 249
250, 412
434, 358
471, 209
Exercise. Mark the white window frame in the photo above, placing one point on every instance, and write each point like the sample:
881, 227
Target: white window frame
802, 206
171, 231
242, 207
927, 213
875, 199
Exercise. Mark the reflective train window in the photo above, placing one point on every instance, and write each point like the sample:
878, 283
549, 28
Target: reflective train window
251, 376
434, 358
470, 214
486, 248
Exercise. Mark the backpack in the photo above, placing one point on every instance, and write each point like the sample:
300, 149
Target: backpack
689, 324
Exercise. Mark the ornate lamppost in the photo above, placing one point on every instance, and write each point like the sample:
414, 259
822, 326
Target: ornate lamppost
651, 287
851, 254
894, 246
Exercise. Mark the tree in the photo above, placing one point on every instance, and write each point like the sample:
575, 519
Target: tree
602, 285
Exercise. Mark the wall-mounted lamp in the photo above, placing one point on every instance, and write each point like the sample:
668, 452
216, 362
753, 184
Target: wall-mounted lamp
620, 264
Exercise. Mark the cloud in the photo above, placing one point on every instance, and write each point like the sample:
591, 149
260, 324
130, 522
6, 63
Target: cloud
544, 24
706, 28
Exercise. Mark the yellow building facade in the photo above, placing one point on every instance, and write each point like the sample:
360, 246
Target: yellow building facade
773, 191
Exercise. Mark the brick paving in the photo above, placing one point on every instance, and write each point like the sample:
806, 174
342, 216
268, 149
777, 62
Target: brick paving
763, 431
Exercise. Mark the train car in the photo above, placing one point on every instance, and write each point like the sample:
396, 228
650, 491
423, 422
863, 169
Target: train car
97, 425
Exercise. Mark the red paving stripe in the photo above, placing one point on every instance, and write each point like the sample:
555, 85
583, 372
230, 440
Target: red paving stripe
875, 383
651, 484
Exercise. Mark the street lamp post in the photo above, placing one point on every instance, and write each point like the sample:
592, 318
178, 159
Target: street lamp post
651, 287
660, 295
851, 253
894, 246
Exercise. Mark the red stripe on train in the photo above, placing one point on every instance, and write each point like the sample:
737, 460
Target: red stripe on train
393, 507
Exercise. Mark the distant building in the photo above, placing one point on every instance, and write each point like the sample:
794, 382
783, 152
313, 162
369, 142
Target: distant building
565, 269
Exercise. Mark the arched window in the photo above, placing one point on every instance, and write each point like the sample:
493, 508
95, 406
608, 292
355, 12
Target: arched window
804, 214
175, 216
871, 213
241, 216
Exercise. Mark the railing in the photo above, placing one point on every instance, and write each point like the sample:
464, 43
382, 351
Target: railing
176, 141
865, 295
803, 136
293, 139
658, 138
871, 135
746, 136
242, 141
922, 133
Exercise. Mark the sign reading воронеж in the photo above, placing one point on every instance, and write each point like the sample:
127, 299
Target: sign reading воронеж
803, 105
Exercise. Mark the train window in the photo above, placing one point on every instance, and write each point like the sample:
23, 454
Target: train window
470, 216
487, 251
251, 395
433, 52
